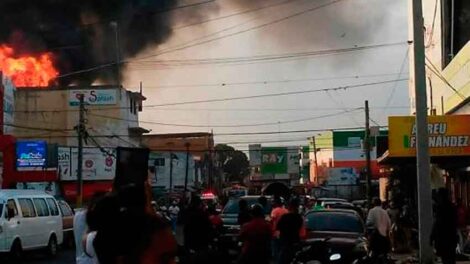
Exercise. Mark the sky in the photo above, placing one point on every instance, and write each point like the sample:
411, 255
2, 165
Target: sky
241, 48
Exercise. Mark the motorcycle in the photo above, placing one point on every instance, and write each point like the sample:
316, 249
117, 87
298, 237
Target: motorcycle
315, 251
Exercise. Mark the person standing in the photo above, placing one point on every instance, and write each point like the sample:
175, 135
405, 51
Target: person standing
461, 223
379, 221
291, 227
444, 231
243, 212
173, 212
276, 214
256, 238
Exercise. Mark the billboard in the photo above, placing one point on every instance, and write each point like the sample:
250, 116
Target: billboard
97, 165
161, 162
93, 97
448, 136
31, 154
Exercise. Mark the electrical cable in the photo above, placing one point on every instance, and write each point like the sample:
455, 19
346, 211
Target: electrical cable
228, 126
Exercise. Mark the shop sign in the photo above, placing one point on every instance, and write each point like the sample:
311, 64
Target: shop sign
448, 135
93, 97
97, 164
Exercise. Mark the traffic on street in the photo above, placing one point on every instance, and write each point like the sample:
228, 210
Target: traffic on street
234, 131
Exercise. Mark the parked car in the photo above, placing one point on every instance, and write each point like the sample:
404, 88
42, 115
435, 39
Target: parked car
343, 229
67, 222
29, 220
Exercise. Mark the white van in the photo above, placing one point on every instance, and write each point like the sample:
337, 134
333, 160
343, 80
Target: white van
29, 220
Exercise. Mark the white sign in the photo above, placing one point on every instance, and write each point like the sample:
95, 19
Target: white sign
161, 162
93, 97
8, 104
97, 165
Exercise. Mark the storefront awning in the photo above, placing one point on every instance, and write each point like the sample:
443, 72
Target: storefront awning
445, 162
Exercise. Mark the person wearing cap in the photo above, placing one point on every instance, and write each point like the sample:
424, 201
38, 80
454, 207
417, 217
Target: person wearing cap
256, 238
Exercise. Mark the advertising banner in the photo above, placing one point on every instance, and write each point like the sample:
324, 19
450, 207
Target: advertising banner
177, 171
93, 97
30, 154
448, 136
274, 160
97, 165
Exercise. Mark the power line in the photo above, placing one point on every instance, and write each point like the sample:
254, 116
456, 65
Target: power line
203, 42
261, 58
235, 125
434, 70
226, 84
276, 94
402, 67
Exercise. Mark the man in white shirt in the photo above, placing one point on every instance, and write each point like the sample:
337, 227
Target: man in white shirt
379, 221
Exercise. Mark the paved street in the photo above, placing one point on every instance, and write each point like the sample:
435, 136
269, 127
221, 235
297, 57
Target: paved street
64, 257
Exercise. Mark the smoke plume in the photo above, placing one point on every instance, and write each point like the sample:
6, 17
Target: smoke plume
82, 34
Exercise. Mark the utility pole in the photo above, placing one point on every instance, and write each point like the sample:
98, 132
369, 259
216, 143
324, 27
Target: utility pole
367, 152
80, 130
171, 172
187, 168
315, 156
422, 148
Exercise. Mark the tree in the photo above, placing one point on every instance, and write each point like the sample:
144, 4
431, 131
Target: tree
234, 163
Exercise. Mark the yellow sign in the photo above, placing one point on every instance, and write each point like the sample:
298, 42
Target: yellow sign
448, 135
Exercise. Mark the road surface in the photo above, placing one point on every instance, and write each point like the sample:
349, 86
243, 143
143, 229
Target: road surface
63, 257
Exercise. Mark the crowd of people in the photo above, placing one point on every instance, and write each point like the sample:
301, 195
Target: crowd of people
123, 227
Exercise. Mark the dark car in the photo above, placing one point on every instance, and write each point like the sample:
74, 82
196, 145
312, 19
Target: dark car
343, 230
343, 205
230, 218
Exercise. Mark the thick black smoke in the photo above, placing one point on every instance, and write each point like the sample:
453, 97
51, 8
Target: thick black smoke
81, 33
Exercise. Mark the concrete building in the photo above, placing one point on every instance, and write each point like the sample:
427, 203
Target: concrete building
447, 35
51, 114
200, 147
341, 149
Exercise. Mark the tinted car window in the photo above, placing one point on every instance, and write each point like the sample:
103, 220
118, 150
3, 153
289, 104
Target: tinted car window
328, 221
52, 206
11, 204
65, 208
232, 205
41, 207
27, 207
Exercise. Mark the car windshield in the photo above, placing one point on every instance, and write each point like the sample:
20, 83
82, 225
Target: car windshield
329, 221
232, 205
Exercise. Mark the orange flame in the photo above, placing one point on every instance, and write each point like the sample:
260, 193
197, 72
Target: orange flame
27, 71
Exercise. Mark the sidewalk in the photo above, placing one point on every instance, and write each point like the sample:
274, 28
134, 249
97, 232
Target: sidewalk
413, 258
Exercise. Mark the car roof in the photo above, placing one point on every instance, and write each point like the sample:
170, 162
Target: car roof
331, 199
9, 193
333, 211
338, 202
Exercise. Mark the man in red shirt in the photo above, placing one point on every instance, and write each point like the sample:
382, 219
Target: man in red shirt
256, 238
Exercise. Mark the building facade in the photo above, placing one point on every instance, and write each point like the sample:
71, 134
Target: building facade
341, 149
52, 114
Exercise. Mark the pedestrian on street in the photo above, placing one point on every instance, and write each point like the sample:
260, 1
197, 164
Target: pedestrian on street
462, 216
244, 215
291, 231
256, 238
444, 232
197, 226
278, 211
81, 227
128, 233
379, 223
173, 212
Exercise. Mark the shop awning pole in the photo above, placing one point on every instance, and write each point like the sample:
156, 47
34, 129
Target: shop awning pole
418, 75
